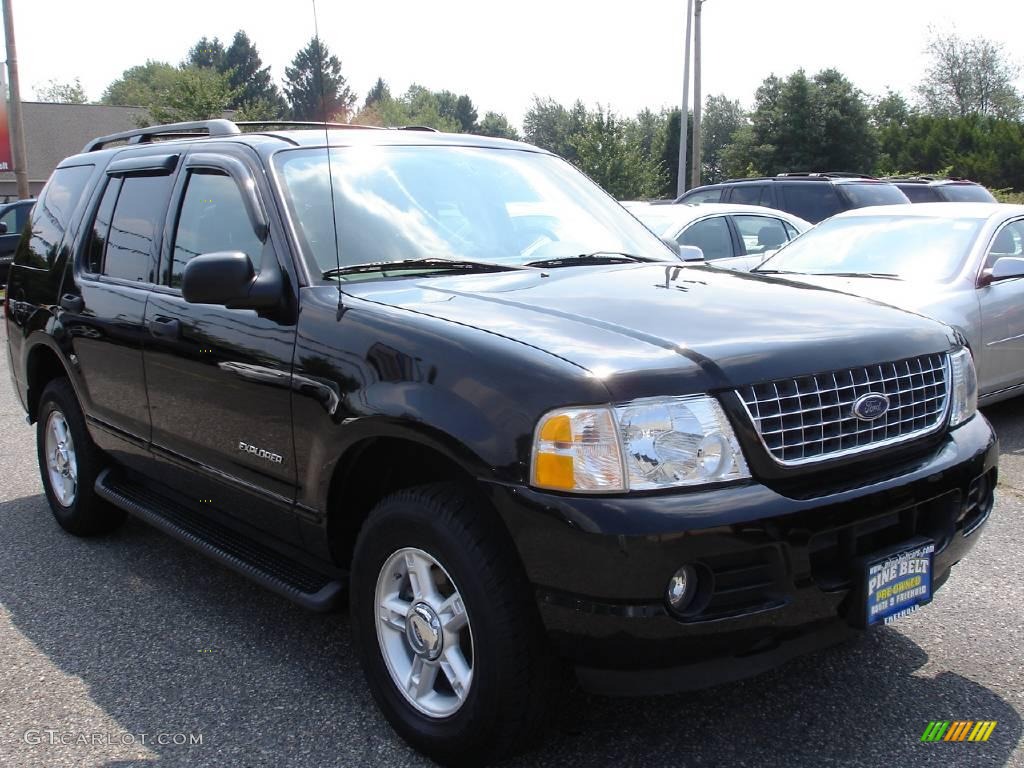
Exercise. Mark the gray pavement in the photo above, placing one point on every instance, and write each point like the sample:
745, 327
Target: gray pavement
134, 638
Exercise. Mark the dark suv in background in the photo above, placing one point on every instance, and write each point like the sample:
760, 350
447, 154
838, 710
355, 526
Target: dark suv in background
926, 189
450, 376
811, 196
12, 221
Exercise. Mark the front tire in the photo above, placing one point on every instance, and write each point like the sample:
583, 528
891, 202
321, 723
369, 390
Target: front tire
446, 627
69, 462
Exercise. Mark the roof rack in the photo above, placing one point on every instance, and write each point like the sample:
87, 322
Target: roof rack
416, 128
828, 175
301, 124
177, 130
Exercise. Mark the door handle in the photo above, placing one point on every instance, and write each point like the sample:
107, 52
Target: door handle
165, 328
72, 303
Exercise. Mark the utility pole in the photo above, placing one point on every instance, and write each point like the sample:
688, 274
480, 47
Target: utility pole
695, 168
17, 126
684, 115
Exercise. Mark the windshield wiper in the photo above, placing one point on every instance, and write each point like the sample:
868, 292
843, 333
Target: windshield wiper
887, 275
594, 257
426, 263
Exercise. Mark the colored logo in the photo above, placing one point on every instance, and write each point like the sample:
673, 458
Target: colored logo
958, 730
870, 406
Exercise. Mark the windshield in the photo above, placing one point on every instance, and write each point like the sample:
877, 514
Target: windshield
395, 203
657, 222
873, 193
928, 248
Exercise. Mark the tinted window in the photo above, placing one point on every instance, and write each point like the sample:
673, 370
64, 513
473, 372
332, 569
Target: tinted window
813, 201
750, 194
699, 196
212, 218
52, 214
711, 236
10, 218
137, 218
101, 227
873, 193
920, 193
966, 193
760, 234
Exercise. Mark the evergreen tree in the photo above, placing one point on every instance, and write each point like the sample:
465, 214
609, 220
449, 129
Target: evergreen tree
248, 78
315, 87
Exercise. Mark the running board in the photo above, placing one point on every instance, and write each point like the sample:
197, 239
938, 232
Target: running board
275, 571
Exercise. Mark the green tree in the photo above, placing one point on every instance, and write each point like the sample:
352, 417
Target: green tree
61, 92
249, 79
191, 93
205, 53
138, 85
314, 85
721, 120
808, 124
379, 92
497, 126
465, 113
551, 126
606, 153
969, 77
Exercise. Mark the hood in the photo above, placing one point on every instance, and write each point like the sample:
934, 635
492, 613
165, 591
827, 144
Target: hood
661, 328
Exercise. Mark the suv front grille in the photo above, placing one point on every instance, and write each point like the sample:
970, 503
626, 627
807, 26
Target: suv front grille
810, 418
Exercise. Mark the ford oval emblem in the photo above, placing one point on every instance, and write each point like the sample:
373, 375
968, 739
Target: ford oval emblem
870, 406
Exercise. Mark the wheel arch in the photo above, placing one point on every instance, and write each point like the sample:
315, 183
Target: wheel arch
43, 364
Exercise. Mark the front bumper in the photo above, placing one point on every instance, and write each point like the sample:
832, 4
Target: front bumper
780, 570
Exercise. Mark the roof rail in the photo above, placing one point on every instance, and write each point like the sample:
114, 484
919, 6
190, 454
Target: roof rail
827, 175
416, 128
301, 124
217, 127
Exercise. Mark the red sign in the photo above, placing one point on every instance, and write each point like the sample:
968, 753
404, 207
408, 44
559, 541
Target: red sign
6, 164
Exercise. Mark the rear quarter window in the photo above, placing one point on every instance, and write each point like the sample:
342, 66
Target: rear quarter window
966, 193
812, 201
873, 193
51, 216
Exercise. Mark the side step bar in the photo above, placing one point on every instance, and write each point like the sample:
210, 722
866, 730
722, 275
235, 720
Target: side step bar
276, 572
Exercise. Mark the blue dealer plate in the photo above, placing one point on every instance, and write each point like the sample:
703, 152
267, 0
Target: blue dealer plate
899, 583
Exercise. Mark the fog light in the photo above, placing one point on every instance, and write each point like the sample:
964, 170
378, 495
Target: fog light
681, 588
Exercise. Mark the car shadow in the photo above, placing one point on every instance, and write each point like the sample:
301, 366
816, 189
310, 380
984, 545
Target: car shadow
165, 641
1008, 424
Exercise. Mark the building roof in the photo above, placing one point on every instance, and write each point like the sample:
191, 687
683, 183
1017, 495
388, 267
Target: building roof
54, 131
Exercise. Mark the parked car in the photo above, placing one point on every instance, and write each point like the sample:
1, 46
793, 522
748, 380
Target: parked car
811, 196
448, 376
12, 221
925, 189
962, 263
731, 236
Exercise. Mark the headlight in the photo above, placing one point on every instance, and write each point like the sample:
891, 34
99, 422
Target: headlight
643, 445
965, 387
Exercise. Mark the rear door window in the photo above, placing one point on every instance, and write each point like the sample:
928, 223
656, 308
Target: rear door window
52, 214
921, 193
712, 236
750, 194
761, 234
866, 193
129, 218
812, 201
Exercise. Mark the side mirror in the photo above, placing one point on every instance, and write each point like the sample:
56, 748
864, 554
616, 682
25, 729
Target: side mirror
228, 278
1007, 267
3, 227
690, 253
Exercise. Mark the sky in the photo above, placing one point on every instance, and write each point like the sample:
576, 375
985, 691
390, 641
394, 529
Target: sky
624, 55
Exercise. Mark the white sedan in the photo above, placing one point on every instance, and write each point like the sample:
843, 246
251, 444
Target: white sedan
732, 236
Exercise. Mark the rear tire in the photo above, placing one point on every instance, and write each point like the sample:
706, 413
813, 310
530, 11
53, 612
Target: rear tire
69, 462
491, 674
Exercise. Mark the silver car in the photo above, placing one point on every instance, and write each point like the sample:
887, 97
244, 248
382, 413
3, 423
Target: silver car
962, 263
732, 236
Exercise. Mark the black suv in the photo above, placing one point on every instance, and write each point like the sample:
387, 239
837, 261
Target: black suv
811, 196
927, 189
450, 376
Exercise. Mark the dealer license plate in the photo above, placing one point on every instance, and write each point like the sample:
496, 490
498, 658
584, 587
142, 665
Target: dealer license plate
897, 584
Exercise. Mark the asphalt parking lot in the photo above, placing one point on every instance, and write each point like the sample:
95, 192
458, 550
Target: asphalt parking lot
134, 638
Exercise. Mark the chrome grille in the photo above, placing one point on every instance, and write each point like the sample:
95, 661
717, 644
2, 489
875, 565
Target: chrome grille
810, 418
